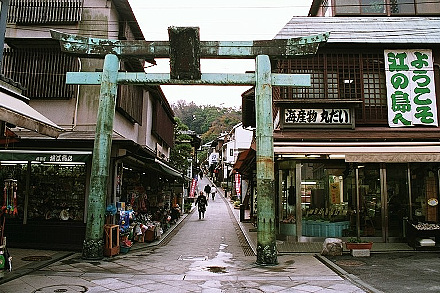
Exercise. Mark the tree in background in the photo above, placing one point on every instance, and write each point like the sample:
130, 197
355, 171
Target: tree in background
182, 150
207, 121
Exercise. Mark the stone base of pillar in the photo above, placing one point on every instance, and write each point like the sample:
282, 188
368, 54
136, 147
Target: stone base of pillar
93, 249
267, 255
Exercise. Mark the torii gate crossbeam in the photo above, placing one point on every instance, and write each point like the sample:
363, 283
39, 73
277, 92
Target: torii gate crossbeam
263, 80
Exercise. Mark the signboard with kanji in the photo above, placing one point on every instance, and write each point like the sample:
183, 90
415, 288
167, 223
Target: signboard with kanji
326, 116
410, 88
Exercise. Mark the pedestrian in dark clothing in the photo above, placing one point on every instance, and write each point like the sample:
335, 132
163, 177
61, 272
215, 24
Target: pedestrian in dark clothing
207, 190
202, 203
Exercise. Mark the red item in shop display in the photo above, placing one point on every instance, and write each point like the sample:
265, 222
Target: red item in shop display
4, 199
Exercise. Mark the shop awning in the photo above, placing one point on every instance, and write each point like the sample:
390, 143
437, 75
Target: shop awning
17, 112
164, 169
244, 163
45, 156
168, 169
387, 152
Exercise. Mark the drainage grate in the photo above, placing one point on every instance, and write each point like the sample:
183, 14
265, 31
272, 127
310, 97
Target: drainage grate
36, 258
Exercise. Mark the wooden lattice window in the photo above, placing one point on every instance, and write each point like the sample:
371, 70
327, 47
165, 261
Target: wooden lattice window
130, 102
44, 11
41, 71
335, 76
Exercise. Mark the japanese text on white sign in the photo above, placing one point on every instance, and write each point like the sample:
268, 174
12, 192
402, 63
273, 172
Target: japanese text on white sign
317, 116
410, 88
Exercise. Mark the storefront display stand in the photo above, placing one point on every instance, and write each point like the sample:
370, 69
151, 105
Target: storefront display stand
111, 233
414, 234
156, 242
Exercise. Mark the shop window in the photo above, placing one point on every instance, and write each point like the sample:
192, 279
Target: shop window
324, 200
402, 7
56, 192
372, 6
370, 201
427, 7
424, 193
397, 198
357, 7
347, 7
288, 199
17, 172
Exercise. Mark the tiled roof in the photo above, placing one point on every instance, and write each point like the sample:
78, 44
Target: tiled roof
416, 30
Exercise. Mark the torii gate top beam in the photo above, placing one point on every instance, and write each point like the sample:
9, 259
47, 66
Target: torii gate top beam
98, 48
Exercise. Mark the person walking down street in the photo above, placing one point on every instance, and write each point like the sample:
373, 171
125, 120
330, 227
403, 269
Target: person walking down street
207, 190
201, 203
213, 191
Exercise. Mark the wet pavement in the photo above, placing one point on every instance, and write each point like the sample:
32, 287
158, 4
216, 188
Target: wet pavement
210, 255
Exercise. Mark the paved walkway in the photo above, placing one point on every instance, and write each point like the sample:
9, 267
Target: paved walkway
210, 255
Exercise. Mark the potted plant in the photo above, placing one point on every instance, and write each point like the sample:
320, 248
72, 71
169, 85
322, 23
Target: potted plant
358, 243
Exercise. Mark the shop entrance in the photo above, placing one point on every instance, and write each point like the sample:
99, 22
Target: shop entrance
397, 200
369, 202
373, 201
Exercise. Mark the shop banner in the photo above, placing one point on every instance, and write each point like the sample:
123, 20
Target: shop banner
335, 193
45, 157
192, 191
410, 88
238, 184
338, 116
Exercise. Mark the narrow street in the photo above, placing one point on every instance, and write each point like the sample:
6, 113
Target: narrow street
208, 255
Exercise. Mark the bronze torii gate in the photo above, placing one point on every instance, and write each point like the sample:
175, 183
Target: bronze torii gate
185, 50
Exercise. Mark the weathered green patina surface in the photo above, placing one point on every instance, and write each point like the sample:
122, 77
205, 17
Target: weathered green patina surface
93, 243
266, 228
263, 80
94, 47
206, 79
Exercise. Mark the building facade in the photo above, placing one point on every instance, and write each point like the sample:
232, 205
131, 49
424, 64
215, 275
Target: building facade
52, 174
357, 154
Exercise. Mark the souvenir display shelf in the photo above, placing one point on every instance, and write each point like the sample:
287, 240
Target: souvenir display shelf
422, 230
60, 196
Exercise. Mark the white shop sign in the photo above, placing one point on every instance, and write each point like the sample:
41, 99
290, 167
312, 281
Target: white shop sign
411, 96
339, 116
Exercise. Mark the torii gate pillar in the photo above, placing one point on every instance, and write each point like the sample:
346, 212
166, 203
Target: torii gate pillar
94, 244
266, 228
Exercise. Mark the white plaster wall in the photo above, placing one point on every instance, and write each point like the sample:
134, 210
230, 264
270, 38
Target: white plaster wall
243, 138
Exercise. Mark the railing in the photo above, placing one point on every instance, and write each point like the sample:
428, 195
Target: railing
44, 11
